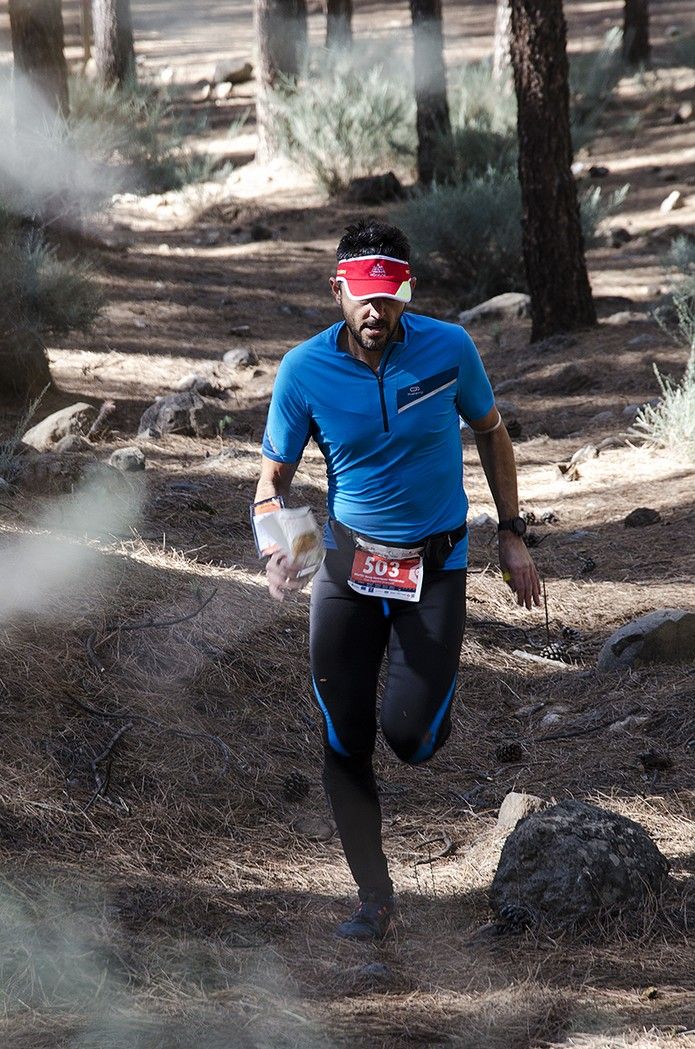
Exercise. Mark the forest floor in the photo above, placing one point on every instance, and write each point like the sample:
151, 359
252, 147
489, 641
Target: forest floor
187, 900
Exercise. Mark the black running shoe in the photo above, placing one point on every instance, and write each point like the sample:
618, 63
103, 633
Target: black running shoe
371, 920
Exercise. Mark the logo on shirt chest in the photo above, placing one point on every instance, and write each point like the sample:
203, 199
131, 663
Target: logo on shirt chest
407, 396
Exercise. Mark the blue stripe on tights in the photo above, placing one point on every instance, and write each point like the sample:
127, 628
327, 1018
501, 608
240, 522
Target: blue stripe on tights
386, 606
426, 748
333, 740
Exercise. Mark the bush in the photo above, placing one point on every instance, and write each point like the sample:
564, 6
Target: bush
470, 233
134, 128
593, 78
595, 207
671, 422
344, 121
41, 293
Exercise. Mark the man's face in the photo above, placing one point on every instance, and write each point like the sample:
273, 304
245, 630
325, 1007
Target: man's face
371, 322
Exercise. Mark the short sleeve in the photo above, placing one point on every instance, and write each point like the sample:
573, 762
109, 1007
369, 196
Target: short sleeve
288, 426
474, 396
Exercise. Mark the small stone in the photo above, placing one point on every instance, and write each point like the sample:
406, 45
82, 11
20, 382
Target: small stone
240, 329
202, 93
232, 73
642, 517
599, 171
314, 828
684, 113
672, 201
611, 442
617, 237
221, 92
627, 317
515, 807
673, 31
628, 724
128, 460
550, 719
578, 167
481, 520
199, 383
241, 358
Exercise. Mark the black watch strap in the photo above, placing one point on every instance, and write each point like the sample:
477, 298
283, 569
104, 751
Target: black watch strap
516, 525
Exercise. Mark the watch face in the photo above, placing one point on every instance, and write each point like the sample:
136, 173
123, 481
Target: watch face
518, 526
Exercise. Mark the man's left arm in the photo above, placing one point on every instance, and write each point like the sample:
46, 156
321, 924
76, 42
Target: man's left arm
497, 459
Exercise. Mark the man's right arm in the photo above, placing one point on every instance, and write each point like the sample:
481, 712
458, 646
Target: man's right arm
281, 573
275, 479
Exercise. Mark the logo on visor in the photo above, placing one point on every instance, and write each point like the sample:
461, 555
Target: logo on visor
377, 270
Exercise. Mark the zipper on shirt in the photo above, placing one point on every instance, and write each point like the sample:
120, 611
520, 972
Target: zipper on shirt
380, 380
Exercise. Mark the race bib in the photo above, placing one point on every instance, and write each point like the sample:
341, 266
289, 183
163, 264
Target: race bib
377, 576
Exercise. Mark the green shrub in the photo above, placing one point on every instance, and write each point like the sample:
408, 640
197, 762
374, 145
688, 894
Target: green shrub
671, 422
593, 79
595, 207
470, 233
344, 121
135, 130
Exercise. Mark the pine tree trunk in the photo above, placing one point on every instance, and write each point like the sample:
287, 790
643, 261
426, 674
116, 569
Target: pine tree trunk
501, 59
636, 48
552, 236
339, 24
433, 122
24, 370
86, 29
114, 51
37, 43
281, 40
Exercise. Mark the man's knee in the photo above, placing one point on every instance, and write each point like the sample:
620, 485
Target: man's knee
413, 749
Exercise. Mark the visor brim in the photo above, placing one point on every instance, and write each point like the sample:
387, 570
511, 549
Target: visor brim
360, 290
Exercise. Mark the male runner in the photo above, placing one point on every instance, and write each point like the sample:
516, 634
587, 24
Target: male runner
381, 393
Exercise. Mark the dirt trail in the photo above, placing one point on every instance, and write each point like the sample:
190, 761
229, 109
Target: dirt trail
194, 903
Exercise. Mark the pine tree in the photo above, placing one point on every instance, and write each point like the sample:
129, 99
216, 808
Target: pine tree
636, 48
339, 24
37, 44
433, 121
114, 51
281, 40
553, 245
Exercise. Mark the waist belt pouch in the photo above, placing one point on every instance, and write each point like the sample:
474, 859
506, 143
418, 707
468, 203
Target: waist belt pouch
435, 549
438, 547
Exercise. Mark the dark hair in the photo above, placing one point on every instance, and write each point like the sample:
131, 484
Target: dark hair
371, 237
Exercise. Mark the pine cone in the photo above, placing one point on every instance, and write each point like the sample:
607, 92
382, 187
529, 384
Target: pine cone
295, 787
555, 650
509, 752
570, 634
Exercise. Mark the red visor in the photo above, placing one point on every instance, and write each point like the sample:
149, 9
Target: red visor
375, 276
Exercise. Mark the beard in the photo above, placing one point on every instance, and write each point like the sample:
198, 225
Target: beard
372, 343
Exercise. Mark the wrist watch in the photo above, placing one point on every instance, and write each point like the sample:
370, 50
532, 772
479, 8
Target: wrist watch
516, 525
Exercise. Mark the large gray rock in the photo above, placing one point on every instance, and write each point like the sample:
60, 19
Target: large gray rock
516, 807
666, 636
187, 413
508, 306
572, 862
77, 418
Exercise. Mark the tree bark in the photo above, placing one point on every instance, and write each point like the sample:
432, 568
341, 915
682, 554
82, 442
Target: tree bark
114, 51
24, 371
37, 44
501, 59
553, 244
281, 40
86, 29
433, 121
636, 47
339, 24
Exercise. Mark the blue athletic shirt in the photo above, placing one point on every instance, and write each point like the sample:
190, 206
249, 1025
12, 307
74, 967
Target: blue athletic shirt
391, 440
